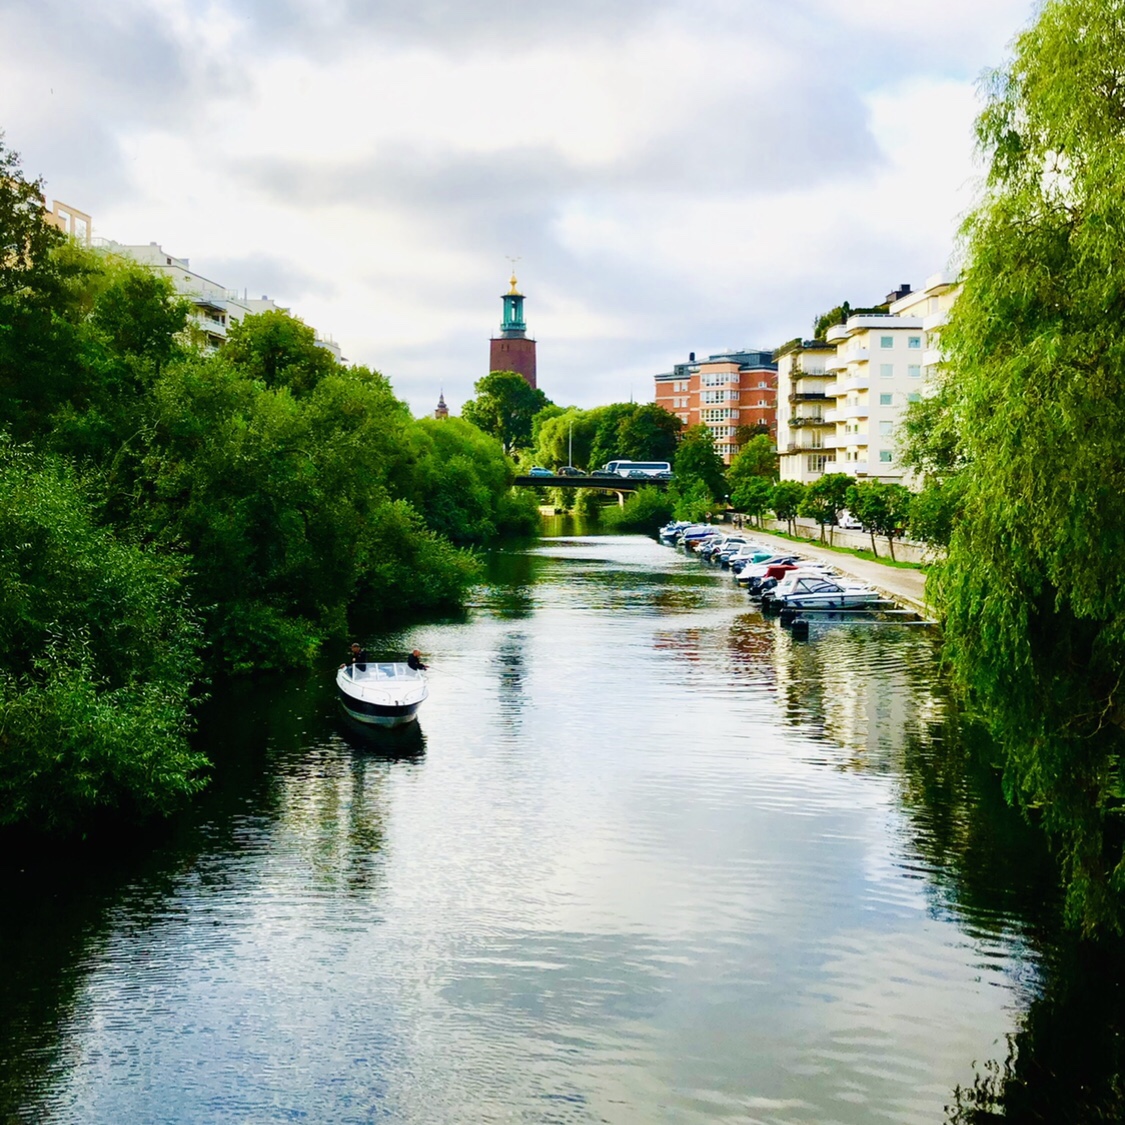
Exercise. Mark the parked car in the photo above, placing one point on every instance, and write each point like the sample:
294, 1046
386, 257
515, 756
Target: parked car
539, 471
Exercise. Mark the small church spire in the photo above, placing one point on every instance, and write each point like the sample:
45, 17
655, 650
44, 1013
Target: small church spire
442, 410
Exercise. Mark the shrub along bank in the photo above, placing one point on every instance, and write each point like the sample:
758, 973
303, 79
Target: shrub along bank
166, 512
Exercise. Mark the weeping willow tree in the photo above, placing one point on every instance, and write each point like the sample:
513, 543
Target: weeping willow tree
1033, 591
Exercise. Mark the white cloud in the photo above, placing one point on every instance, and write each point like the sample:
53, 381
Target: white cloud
675, 178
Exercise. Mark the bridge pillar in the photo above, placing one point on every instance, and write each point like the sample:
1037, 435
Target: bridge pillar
620, 499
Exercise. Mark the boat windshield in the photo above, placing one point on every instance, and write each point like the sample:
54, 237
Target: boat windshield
375, 671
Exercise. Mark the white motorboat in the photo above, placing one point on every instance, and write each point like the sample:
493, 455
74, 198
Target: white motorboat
386, 695
810, 591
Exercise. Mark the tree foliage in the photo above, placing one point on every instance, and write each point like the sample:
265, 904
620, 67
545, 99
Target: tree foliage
505, 406
1033, 591
882, 508
175, 510
826, 498
648, 509
698, 463
98, 659
786, 498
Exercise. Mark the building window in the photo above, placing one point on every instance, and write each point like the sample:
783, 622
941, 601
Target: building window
886, 341
815, 463
914, 370
886, 428
886, 370
914, 396
885, 456
913, 341
886, 400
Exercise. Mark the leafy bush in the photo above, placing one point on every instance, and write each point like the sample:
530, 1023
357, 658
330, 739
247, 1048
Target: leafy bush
98, 655
648, 509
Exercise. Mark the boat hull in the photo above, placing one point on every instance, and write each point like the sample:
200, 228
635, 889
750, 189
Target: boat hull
843, 600
378, 714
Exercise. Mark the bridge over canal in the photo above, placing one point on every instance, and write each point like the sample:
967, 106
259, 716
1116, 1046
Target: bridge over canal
620, 485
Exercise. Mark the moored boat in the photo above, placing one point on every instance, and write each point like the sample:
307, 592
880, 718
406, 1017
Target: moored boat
383, 694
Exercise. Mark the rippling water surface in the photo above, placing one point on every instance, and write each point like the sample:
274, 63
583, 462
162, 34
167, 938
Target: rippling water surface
646, 859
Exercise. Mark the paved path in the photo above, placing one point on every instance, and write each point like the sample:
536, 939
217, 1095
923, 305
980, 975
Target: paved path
904, 585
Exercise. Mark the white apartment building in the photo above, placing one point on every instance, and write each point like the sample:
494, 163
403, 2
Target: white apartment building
875, 365
216, 309
804, 432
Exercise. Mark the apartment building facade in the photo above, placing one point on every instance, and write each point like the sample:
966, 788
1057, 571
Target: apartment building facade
805, 432
875, 365
725, 392
215, 309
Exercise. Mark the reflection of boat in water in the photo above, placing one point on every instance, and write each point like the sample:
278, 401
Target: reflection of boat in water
385, 695
404, 741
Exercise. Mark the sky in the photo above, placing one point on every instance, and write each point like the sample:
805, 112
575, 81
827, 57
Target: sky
672, 177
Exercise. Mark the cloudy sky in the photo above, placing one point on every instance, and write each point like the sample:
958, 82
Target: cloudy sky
673, 176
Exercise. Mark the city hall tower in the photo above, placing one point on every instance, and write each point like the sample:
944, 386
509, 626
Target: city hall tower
513, 350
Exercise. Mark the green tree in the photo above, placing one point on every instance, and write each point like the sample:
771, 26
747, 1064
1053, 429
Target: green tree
755, 461
504, 407
826, 498
882, 508
607, 432
752, 496
568, 433
648, 509
786, 498
1032, 594
649, 433
935, 510
697, 461
280, 350
98, 659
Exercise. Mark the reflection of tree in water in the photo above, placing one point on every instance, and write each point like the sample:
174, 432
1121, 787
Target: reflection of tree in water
879, 698
511, 670
510, 579
1064, 1065
63, 909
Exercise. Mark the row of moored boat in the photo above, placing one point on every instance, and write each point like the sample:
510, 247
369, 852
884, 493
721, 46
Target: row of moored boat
780, 581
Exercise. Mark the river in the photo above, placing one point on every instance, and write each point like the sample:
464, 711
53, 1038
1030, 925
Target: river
646, 858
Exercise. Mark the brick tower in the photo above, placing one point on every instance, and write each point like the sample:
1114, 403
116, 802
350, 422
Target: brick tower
513, 350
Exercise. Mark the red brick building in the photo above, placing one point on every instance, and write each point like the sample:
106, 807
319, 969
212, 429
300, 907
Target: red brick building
724, 392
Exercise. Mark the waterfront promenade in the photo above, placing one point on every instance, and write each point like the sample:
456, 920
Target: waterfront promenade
905, 586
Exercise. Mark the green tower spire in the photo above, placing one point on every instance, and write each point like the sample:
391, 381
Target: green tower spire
512, 326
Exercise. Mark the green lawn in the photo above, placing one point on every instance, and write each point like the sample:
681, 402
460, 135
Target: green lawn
858, 552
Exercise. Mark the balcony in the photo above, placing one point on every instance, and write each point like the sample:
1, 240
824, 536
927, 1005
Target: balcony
796, 447
808, 396
935, 321
858, 382
832, 416
931, 357
856, 355
799, 420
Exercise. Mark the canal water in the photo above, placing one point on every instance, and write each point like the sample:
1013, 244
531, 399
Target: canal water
645, 858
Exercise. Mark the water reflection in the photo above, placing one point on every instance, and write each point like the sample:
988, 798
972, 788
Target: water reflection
651, 859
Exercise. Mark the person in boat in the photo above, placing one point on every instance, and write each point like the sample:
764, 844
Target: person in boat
357, 656
414, 660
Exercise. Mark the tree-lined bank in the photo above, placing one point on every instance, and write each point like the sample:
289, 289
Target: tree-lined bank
169, 512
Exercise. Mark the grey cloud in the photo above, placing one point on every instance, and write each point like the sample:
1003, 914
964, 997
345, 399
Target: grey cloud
462, 24
267, 274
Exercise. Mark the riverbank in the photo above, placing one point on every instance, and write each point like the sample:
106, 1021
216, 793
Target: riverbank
908, 587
